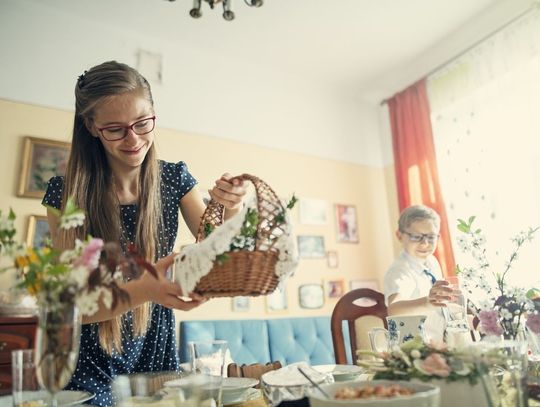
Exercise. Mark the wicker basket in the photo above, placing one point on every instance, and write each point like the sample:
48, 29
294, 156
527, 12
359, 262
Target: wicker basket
246, 273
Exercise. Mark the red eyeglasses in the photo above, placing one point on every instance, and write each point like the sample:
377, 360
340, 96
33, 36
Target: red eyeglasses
117, 132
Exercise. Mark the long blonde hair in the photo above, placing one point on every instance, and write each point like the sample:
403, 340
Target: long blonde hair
89, 181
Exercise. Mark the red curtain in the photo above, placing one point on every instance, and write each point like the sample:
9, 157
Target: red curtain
415, 162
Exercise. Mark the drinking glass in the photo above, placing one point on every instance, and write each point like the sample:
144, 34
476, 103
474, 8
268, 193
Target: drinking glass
391, 339
57, 347
25, 386
207, 358
456, 307
503, 371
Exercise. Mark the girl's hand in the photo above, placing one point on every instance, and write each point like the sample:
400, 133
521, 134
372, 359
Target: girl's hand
162, 291
440, 293
229, 191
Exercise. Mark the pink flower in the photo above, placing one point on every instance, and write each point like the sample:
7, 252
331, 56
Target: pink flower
489, 322
435, 364
90, 254
533, 323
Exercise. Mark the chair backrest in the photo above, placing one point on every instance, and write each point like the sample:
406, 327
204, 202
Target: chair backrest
255, 370
358, 303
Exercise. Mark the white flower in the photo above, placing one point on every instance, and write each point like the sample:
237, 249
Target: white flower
79, 275
415, 354
6, 224
72, 221
505, 314
88, 303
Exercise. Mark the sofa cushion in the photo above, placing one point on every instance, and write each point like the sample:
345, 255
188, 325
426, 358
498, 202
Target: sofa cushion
287, 340
247, 339
301, 339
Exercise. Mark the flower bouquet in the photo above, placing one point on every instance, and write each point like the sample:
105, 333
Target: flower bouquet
81, 276
465, 375
501, 309
65, 286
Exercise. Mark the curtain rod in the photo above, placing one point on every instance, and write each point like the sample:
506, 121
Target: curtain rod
533, 7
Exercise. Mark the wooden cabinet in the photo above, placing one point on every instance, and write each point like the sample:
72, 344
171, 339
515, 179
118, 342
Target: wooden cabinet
15, 333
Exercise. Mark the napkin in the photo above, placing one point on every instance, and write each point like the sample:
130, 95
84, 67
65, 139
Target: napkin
290, 376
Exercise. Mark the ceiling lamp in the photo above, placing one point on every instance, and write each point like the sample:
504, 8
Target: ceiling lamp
228, 14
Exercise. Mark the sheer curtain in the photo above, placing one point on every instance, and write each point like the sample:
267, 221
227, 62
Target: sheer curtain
485, 112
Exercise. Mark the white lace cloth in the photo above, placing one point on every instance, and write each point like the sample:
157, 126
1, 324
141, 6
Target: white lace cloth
198, 259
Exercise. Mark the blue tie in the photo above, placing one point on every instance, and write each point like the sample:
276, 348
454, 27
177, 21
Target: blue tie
430, 275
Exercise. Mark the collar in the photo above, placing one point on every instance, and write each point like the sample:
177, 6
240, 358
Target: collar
416, 265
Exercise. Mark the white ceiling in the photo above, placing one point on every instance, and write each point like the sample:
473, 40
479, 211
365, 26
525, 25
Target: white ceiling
352, 44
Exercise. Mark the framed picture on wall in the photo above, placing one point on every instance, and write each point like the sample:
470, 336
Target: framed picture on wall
347, 228
41, 159
240, 304
311, 247
332, 259
37, 233
313, 211
277, 301
311, 296
335, 288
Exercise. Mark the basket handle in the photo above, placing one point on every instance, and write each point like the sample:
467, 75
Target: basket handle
214, 213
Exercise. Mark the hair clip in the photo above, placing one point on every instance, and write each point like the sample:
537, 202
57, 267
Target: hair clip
80, 79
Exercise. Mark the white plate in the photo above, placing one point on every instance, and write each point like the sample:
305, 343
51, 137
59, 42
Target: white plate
65, 398
234, 387
340, 372
246, 395
229, 384
232, 383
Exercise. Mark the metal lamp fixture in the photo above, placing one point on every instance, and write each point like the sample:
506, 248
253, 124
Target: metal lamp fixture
228, 14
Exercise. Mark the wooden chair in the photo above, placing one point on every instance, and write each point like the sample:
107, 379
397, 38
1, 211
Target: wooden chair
353, 305
255, 370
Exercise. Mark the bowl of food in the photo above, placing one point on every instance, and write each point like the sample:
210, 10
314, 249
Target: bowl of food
375, 393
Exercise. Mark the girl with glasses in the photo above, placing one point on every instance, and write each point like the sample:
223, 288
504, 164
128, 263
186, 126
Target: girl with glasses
130, 197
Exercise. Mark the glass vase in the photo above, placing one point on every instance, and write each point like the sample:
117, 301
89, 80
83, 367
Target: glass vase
57, 347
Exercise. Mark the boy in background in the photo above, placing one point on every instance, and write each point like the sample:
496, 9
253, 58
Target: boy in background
413, 284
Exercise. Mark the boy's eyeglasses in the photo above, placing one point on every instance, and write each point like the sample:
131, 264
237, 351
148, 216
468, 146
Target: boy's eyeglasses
117, 132
420, 237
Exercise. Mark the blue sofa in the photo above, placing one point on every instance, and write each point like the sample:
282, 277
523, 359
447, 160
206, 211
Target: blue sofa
288, 340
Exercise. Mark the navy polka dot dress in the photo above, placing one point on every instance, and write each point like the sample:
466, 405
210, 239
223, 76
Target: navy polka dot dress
157, 350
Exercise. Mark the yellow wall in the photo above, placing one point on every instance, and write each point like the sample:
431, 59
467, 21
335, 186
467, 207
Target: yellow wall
207, 158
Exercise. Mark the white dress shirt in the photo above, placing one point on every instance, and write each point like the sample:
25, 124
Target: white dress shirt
407, 278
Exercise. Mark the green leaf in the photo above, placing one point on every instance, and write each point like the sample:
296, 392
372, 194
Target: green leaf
11, 215
463, 228
208, 229
471, 220
222, 258
292, 202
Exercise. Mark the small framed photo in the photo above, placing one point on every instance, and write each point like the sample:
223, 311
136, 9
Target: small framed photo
335, 288
373, 284
347, 228
311, 247
240, 304
38, 233
332, 259
313, 211
41, 160
277, 301
311, 296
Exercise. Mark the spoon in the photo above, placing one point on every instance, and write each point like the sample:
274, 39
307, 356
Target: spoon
325, 394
